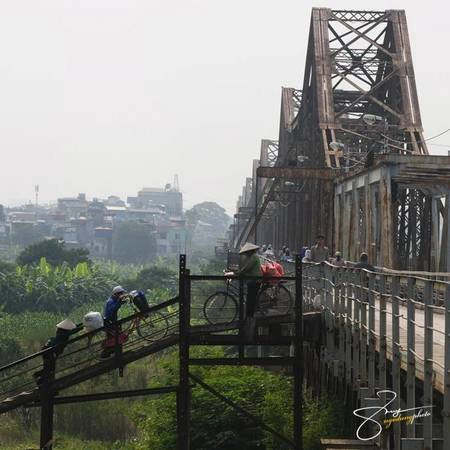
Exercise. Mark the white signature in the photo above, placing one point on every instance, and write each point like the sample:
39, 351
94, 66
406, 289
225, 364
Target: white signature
396, 413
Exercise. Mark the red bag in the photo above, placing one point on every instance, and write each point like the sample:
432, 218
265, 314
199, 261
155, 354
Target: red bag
279, 268
111, 341
272, 269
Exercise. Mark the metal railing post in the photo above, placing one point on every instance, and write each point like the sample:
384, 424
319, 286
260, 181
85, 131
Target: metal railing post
372, 337
298, 361
341, 298
396, 355
348, 330
363, 330
446, 409
411, 358
428, 363
329, 312
356, 327
383, 340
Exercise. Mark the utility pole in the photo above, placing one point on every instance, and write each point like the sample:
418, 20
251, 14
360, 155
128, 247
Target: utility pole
36, 193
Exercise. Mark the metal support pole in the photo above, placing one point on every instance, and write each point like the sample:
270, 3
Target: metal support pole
298, 362
241, 319
46, 397
183, 397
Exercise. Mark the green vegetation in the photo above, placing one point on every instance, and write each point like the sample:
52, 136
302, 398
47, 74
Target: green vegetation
55, 252
27, 234
52, 289
36, 296
267, 395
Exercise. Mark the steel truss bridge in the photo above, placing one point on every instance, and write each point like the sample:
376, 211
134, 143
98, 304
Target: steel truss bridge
350, 161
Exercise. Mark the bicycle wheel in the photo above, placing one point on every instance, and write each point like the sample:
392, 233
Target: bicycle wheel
220, 307
153, 326
274, 300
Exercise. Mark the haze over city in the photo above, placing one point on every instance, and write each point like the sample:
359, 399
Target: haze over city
106, 97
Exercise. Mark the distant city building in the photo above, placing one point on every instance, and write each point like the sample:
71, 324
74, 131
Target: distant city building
168, 197
73, 206
90, 223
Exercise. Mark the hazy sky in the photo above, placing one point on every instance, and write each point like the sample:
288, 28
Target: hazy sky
107, 96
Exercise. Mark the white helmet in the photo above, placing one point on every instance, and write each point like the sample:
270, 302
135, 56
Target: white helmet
118, 290
66, 324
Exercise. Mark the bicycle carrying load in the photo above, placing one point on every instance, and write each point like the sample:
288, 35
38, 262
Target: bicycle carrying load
139, 300
92, 321
272, 269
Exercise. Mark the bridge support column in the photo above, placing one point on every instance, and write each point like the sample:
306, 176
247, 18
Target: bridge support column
183, 394
46, 442
47, 404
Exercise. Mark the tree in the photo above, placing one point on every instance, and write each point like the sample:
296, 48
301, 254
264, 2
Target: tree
208, 222
215, 425
27, 234
54, 252
157, 277
6, 266
133, 243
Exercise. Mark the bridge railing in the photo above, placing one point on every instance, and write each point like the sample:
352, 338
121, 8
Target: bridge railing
385, 328
85, 349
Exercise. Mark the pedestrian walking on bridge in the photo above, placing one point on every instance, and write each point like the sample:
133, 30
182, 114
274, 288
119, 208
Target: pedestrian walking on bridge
319, 252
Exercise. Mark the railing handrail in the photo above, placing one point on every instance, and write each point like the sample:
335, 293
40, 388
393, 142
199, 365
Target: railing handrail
239, 277
91, 333
383, 271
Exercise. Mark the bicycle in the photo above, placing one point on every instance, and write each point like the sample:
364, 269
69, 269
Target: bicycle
150, 326
222, 307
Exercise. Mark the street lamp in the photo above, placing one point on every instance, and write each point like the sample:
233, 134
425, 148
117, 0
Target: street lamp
336, 146
372, 119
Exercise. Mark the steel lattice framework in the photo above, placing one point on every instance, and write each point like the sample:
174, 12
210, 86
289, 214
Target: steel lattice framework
358, 64
350, 161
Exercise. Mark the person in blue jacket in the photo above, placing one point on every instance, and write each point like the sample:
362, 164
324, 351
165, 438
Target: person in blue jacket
112, 307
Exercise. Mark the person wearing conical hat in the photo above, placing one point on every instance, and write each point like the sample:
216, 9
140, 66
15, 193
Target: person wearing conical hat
64, 330
57, 343
250, 266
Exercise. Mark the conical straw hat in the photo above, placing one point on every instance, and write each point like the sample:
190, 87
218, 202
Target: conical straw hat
247, 247
66, 324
